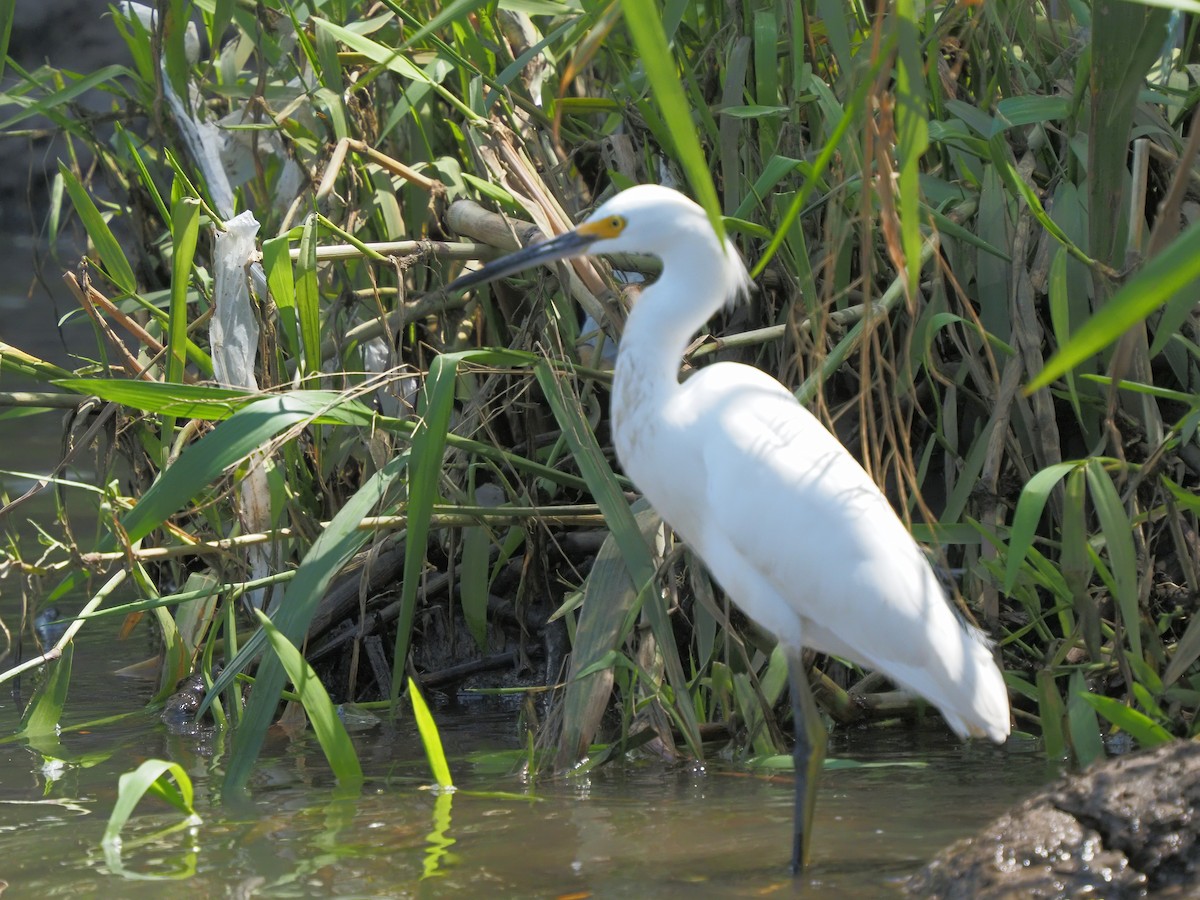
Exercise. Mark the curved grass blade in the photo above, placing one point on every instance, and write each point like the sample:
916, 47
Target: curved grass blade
202, 462
430, 739
1029, 512
66, 94
1122, 556
645, 27
1000, 153
332, 549
331, 733
1137, 725
1160, 280
44, 712
148, 779
199, 401
109, 250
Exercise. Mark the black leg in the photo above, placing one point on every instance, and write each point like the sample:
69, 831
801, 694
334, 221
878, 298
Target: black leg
800, 756
808, 758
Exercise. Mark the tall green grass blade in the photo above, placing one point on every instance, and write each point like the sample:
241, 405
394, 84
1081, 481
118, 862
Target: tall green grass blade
1187, 651
143, 173
221, 18
112, 257
431, 740
44, 713
1158, 283
473, 583
308, 297
174, 55
424, 489
608, 495
277, 264
149, 778
176, 656
7, 8
331, 733
332, 549
998, 145
849, 117
1139, 726
1032, 502
912, 134
1126, 39
645, 27
185, 229
1060, 318
1122, 557
1082, 724
1076, 560
1052, 713
605, 619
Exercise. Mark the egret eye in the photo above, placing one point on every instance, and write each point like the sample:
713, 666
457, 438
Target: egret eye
612, 226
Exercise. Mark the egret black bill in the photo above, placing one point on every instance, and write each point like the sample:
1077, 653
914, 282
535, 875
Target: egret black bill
565, 246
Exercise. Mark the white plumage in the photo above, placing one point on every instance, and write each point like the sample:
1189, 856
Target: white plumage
786, 520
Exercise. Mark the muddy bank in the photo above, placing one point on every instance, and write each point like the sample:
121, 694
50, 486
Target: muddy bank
1127, 827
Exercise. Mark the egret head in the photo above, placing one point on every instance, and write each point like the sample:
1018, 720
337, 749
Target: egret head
648, 219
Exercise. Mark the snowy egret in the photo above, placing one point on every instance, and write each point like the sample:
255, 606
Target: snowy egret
787, 521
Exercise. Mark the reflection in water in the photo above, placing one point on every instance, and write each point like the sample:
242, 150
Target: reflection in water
439, 839
638, 830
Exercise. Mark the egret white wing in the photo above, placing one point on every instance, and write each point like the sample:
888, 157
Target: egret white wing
804, 541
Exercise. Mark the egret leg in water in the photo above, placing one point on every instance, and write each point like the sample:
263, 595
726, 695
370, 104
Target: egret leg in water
787, 521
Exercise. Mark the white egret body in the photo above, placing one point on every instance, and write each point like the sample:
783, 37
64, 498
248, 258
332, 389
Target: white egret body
786, 520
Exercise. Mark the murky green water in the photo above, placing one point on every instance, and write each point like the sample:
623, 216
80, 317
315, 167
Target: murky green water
641, 830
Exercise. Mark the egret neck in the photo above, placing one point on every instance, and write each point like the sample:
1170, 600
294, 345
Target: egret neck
661, 324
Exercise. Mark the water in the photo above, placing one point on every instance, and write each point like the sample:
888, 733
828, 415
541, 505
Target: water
29, 320
641, 829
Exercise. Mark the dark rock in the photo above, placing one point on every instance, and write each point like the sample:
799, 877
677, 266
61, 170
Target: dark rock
179, 712
1127, 827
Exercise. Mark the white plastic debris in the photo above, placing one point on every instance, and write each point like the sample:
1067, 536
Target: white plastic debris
233, 341
233, 335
